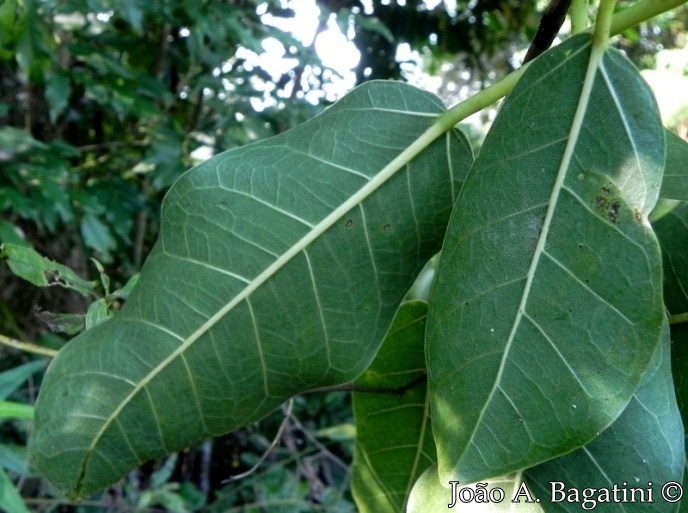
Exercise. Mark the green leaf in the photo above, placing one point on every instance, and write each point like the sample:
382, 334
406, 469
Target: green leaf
13, 378
57, 91
34, 43
9, 16
11, 233
675, 181
124, 292
13, 140
29, 265
394, 442
14, 458
273, 274
69, 324
549, 266
97, 313
10, 500
98, 236
643, 448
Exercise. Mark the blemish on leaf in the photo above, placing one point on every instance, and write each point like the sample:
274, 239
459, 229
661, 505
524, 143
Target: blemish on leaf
608, 207
54, 278
387, 227
349, 223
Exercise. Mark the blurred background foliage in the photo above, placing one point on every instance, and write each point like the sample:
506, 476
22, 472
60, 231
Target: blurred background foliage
104, 103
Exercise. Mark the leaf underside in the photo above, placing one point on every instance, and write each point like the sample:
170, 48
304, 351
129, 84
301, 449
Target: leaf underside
394, 442
196, 351
643, 448
547, 305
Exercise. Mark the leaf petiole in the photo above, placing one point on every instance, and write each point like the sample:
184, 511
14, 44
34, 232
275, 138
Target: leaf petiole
579, 16
603, 22
678, 318
27, 346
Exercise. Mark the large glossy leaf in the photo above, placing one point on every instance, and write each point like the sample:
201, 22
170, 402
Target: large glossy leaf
547, 305
250, 296
394, 442
643, 448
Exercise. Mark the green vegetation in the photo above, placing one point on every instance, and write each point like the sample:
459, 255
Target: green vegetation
277, 273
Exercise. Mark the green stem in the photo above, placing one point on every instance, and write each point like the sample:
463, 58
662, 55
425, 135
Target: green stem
27, 346
480, 100
603, 22
678, 318
579, 15
640, 12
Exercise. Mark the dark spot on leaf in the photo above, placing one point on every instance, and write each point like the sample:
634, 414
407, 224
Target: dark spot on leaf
606, 190
387, 227
638, 216
614, 211
601, 202
580, 245
349, 223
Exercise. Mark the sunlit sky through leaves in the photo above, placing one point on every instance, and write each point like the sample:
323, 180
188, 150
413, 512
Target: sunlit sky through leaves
334, 48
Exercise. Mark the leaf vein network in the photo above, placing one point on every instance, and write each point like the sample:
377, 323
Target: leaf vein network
270, 205
558, 352
194, 391
200, 263
626, 125
587, 287
321, 313
259, 345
